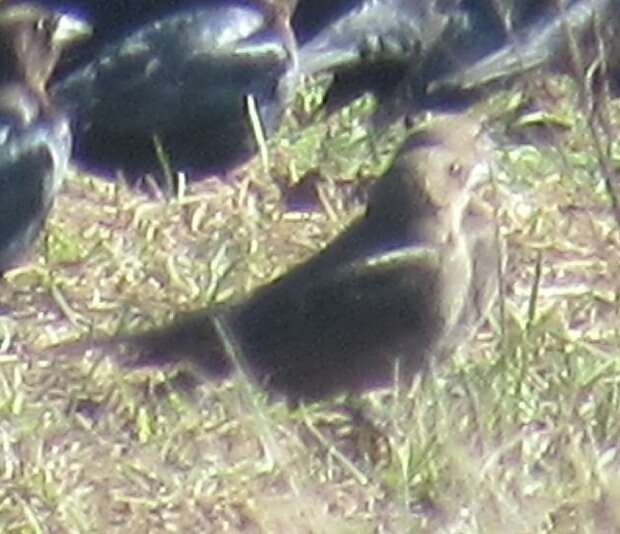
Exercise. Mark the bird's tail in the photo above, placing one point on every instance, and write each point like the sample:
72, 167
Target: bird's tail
193, 337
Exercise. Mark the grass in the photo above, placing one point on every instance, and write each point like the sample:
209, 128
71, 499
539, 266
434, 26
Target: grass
517, 433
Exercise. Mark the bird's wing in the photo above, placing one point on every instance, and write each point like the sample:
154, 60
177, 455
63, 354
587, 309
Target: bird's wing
411, 258
33, 161
148, 76
372, 30
396, 278
29, 178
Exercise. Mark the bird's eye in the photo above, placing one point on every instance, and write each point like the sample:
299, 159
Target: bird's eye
43, 25
455, 169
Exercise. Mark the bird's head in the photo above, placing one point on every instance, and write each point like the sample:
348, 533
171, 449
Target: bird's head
32, 38
434, 173
446, 160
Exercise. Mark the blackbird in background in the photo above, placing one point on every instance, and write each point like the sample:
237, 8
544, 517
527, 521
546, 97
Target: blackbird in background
549, 42
412, 278
178, 77
110, 20
368, 45
35, 140
395, 48
348, 32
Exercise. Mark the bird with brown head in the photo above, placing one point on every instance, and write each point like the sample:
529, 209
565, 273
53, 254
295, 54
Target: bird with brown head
400, 285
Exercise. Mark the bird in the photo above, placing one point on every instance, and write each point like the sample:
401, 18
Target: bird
35, 140
409, 280
176, 83
474, 31
110, 20
348, 32
548, 42
366, 45
395, 49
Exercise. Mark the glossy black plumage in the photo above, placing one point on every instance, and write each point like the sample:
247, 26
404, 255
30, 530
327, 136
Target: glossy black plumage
35, 141
477, 28
368, 45
395, 48
548, 42
364, 30
181, 74
34, 152
410, 279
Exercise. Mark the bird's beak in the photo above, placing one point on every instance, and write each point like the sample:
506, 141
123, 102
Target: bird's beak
70, 30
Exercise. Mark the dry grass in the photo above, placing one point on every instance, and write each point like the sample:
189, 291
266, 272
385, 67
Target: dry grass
517, 434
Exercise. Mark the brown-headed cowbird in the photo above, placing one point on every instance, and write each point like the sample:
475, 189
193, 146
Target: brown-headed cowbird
35, 141
411, 278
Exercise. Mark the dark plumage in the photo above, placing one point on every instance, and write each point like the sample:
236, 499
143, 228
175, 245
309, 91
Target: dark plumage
548, 42
477, 28
411, 278
34, 152
368, 45
181, 74
35, 142
349, 32
395, 48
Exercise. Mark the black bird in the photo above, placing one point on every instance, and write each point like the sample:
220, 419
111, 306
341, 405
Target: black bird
475, 29
368, 45
179, 77
550, 42
410, 279
111, 20
35, 141
395, 48
348, 32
